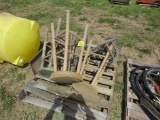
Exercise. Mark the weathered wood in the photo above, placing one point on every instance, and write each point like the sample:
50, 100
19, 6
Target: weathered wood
70, 56
58, 26
51, 106
99, 46
134, 106
47, 56
100, 74
85, 88
66, 42
99, 55
132, 95
64, 101
54, 48
106, 81
50, 47
66, 109
109, 73
62, 43
95, 80
60, 57
61, 33
44, 49
114, 46
82, 50
86, 57
110, 51
66, 77
88, 100
90, 67
137, 115
46, 60
105, 91
101, 81
76, 35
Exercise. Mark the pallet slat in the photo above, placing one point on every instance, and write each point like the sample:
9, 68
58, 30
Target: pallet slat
137, 115
105, 91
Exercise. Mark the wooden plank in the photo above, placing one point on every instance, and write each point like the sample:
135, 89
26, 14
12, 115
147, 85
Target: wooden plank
102, 77
44, 49
138, 63
135, 107
131, 95
137, 115
105, 91
112, 74
102, 81
95, 54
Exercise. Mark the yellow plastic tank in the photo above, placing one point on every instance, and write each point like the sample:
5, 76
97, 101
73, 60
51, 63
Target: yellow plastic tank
19, 39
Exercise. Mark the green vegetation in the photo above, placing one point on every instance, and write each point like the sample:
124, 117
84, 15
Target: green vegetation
108, 20
145, 50
83, 19
7, 99
73, 26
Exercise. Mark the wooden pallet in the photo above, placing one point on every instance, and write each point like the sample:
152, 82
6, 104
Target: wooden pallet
65, 100
133, 111
70, 105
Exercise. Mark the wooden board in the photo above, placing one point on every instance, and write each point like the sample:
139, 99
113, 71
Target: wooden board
132, 111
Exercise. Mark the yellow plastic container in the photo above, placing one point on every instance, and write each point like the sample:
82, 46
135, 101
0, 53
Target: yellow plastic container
19, 39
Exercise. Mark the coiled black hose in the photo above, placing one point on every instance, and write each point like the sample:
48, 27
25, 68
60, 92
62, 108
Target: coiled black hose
139, 85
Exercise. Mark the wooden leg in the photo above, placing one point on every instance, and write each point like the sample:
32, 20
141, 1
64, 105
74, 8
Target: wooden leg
44, 49
58, 27
69, 53
82, 50
66, 42
85, 58
95, 80
54, 48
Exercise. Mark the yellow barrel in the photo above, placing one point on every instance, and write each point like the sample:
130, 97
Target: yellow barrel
19, 39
